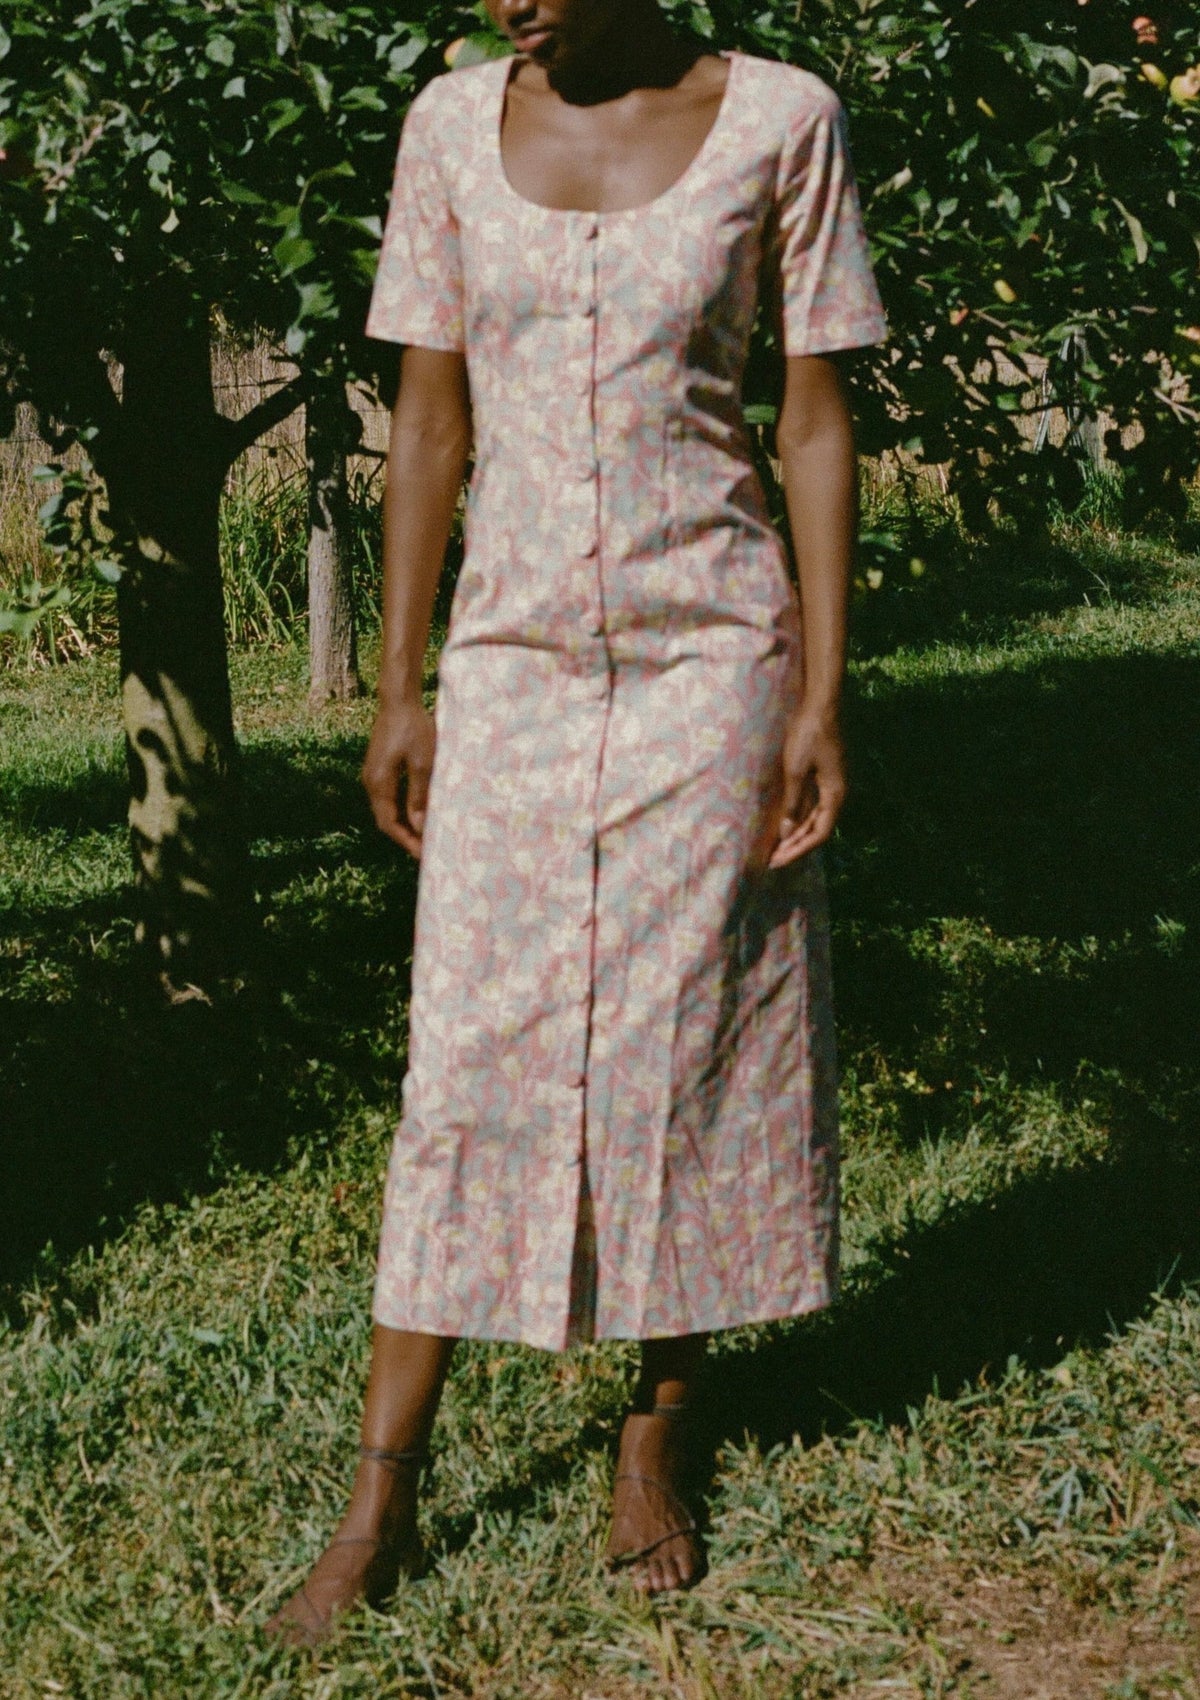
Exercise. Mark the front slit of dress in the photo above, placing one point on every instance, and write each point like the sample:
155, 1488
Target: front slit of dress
619, 1112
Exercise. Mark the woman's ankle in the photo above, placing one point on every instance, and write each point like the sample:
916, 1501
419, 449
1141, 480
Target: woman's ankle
669, 1375
380, 1506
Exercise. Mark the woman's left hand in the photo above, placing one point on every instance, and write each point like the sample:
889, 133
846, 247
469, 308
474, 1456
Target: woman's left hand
814, 785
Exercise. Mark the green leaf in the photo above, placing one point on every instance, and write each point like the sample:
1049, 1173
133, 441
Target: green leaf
477, 49
365, 262
242, 195
322, 87
1141, 248
1101, 76
898, 180
316, 301
292, 253
19, 622
284, 112
401, 58
235, 89
1039, 54
286, 219
37, 600
343, 168
219, 50
363, 99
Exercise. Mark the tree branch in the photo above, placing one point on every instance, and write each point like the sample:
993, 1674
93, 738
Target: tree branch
69, 386
238, 434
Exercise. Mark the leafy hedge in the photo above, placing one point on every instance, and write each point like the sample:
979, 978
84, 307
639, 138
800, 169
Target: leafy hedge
1026, 188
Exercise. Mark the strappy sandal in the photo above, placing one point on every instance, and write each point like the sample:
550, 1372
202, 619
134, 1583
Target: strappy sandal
684, 1525
300, 1622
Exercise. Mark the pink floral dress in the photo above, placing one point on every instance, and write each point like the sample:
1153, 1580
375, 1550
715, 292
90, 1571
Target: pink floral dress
620, 1108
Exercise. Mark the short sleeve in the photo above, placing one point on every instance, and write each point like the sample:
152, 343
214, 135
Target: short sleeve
826, 288
417, 298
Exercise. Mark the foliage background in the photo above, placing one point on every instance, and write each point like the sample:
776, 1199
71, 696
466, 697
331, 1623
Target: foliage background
1021, 185
1000, 1427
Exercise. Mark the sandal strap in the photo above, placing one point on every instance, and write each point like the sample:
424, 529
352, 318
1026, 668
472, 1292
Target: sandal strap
688, 1527
634, 1555
317, 1623
669, 1494
669, 1413
384, 1455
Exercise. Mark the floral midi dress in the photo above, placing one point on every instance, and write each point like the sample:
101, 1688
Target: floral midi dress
619, 1114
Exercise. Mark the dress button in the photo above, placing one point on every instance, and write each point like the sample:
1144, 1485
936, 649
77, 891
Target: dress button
587, 546
591, 229
593, 625
585, 474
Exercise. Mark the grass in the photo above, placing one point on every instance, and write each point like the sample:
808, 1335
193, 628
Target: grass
975, 1476
263, 527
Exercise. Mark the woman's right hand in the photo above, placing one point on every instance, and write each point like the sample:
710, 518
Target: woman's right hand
396, 771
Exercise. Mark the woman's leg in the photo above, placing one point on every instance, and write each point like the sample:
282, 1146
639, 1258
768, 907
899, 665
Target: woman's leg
648, 1506
378, 1534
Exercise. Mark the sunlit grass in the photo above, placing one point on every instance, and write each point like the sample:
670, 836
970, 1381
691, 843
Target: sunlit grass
979, 1465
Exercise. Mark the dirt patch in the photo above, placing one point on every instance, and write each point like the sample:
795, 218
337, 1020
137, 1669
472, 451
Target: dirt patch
1014, 1638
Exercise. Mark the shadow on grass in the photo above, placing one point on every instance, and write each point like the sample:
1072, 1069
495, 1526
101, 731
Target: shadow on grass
1055, 812
108, 1101
1057, 1261
91, 803
980, 591
1061, 801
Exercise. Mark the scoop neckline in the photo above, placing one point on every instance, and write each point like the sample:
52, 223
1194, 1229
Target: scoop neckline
690, 170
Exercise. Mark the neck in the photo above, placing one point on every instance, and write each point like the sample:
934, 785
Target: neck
638, 49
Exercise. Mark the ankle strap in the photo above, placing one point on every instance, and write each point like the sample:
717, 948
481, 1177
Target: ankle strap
670, 1413
394, 1460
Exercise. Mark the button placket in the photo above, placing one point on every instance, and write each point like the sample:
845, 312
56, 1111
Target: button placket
587, 545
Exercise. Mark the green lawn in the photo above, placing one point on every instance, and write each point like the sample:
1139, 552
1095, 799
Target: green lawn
978, 1475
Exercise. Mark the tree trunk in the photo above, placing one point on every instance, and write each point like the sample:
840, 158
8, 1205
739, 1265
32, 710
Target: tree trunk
164, 464
330, 429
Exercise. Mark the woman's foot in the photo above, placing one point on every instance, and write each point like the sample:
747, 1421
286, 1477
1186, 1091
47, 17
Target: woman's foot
376, 1543
654, 1535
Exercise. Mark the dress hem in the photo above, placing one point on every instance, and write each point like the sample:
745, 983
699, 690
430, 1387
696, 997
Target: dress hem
698, 1325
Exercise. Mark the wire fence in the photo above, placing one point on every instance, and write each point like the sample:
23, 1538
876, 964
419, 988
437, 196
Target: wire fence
242, 377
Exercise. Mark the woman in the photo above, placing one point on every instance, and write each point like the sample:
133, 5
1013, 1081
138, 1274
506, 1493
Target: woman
619, 1113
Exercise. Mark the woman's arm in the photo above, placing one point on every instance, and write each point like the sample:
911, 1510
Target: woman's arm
820, 480
427, 456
